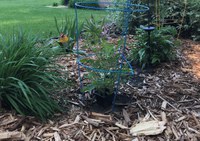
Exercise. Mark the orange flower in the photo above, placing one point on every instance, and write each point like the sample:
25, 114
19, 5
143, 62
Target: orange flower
63, 38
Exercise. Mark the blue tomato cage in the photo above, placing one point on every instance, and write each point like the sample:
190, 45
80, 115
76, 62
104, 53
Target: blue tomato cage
127, 8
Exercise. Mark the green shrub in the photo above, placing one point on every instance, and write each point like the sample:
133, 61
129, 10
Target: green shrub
186, 15
161, 48
64, 2
135, 20
28, 76
55, 4
72, 3
105, 59
93, 31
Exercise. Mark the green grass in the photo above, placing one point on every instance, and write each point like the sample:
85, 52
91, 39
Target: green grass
33, 16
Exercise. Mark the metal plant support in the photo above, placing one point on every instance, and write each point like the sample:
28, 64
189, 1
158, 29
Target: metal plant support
127, 8
148, 28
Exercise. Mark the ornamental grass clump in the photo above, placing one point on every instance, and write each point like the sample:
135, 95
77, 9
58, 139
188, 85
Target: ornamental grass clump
27, 76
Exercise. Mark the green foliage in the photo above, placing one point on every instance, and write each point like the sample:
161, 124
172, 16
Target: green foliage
185, 15
135, 20
68, 27
28, 75
182, 14
55, 4
93, 31
105, 59
64, 2
100, 82
72, 3
161, 48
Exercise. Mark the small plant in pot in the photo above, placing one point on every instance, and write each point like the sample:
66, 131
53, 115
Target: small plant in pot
102, 82
103, 63
103, 78
102, 86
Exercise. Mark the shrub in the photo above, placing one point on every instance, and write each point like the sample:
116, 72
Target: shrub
55, 4
72, 3
161, 48
186, 15
106, 60
135, 20
64, 2
93, 31
28, 76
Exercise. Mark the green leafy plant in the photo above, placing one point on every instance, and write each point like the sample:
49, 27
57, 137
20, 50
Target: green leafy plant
105, 59
64, 2
161, 48
101, 82
135, 19
93, 31
28, 75
184, 15
55, 4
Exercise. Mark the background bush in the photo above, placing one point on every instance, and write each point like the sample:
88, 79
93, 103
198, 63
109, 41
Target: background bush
72, 3
28, 75
64, 2
184, 15
160, 49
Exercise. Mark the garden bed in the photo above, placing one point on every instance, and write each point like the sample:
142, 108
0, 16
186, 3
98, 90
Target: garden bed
169, 93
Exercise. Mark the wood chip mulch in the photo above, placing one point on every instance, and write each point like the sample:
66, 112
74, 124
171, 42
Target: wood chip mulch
166, 108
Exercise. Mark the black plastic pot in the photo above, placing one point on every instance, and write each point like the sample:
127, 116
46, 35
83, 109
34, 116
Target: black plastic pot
104, 100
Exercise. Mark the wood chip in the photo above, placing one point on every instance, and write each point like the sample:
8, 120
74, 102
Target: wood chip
126, 116
12, 135
121, 126
100, 116
57, 136
91, 121
148, 128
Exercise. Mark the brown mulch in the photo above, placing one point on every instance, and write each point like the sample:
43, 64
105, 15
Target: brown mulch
192, 54
169, 93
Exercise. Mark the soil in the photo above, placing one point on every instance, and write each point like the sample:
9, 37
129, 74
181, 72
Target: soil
192, 54
172, 89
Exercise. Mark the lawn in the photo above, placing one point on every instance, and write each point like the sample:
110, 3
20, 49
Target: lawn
34, 16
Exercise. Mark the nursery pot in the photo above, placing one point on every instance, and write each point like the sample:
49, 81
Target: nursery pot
104, 100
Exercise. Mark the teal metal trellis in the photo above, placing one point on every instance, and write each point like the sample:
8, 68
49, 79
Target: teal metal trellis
127, 8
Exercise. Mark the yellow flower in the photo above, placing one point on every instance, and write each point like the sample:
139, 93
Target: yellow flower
63, 38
